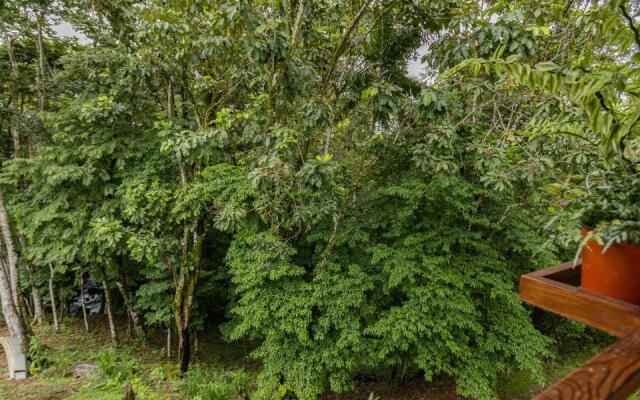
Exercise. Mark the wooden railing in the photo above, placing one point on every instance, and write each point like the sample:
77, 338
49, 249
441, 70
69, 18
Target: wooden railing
612, 374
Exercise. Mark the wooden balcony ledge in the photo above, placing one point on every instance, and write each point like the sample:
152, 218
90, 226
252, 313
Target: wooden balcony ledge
614, 373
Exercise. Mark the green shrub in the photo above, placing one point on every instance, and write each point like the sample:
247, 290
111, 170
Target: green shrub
426, 285
227, 385
117, 364
39, 356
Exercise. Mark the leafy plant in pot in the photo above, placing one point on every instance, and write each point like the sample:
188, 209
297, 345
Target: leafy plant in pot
610, 214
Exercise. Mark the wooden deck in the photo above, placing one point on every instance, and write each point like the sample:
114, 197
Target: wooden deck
614, 373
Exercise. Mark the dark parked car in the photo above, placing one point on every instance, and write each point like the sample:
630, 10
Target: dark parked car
92, 299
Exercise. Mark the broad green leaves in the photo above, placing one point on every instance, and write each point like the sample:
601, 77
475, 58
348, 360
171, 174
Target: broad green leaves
275, 160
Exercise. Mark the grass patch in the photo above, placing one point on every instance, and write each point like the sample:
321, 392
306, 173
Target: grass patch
220, 371
569, 355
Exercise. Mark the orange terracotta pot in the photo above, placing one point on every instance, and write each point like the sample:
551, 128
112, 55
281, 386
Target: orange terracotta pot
614, 273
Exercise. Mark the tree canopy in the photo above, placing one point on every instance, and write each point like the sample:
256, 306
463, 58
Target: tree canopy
272, 169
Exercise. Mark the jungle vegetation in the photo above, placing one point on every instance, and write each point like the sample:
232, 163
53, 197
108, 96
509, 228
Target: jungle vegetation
271, 169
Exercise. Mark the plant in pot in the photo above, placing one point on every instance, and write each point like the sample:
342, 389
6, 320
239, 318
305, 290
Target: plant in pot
595, 98
609, 211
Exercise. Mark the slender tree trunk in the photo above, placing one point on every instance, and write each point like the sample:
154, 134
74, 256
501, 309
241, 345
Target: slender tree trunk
185, 350
62, 300
185, 290
12, 257
42, 64
129, 303
27, 306
12, 261
38, 312
191, 257
11, 317
84, 307
170, 100
13, 97
107, 299
24, 317
129, 324
179, 319
169, 341
42, 71
52, 295
195, 345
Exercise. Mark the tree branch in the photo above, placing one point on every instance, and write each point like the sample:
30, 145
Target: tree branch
632, 26
343, 43
293, 43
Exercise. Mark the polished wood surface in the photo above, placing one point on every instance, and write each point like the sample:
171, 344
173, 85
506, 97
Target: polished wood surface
556, 289
613, 374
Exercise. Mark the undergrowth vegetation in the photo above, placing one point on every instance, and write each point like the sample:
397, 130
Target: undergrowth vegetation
217, 374
270, 184
62, 364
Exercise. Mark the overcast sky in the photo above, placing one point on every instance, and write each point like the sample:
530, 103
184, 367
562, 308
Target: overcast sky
64, 29
415, 67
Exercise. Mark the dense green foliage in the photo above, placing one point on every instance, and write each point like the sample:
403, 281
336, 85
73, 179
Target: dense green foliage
273, 168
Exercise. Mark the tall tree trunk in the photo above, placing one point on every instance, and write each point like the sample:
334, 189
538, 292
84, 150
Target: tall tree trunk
42, 70
186, 278
107, 299
185, 289
11, 317
42, 64
13, 96
12, 261
38, 311
52, 295
82, 303
12, 257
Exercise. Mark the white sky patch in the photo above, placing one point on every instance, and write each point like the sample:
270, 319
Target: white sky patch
419, 70
415, 67
65, 29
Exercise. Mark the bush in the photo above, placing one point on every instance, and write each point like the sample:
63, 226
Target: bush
117, 364
227, 385
39, 356
426, 285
